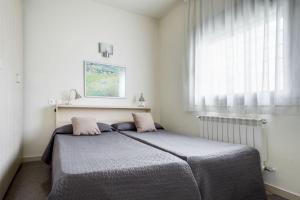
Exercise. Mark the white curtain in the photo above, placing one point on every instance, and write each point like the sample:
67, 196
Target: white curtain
242, 54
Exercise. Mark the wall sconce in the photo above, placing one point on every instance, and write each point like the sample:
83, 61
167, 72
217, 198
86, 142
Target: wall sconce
106, 50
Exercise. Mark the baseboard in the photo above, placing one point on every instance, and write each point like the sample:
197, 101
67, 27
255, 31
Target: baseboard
9, 175
281, 192
31, 159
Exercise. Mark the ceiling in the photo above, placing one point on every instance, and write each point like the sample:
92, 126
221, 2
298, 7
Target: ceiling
150, 8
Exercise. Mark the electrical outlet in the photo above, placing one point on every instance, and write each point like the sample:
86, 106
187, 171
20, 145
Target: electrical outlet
269, 169
52, 102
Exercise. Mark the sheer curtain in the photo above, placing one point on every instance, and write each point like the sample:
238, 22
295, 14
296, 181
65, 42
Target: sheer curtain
242, 54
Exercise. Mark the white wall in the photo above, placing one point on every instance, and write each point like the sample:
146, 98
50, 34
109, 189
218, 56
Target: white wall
10, 92
171, 40
59, 36
282, 131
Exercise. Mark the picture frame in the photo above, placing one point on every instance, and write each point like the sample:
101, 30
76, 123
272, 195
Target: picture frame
104, 80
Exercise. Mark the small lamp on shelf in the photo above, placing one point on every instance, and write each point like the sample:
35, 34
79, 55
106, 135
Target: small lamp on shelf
73, 95
142, 101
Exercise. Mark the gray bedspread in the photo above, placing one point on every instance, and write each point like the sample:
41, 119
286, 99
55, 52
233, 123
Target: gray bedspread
112, 166
223, 171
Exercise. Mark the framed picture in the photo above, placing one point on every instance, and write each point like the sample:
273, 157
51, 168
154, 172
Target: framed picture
104, 80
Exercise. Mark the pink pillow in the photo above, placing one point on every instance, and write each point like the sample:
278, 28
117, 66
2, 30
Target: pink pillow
85, 126
143, 122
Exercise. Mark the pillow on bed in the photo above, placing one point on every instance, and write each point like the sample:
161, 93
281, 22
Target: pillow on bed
85, 126
158, 126
130, 126
68, 129
105, 127
124, 126
143, 122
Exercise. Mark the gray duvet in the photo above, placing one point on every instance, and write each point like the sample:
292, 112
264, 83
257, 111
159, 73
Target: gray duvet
223, 171
112, 166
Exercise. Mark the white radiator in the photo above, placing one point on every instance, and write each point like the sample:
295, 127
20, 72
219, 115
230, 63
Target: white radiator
235, 130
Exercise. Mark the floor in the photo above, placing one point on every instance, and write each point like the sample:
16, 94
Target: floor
32, 182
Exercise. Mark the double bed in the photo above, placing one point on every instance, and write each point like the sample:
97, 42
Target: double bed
126, 165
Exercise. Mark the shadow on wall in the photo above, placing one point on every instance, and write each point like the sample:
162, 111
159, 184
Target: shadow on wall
47, 126
41, 135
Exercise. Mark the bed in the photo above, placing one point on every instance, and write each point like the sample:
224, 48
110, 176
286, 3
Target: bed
222, 171
112, 166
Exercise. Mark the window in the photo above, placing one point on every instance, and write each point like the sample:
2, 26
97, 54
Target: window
236, 64
238, 54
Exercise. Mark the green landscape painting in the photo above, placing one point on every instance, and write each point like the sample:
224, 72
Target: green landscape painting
102, 80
